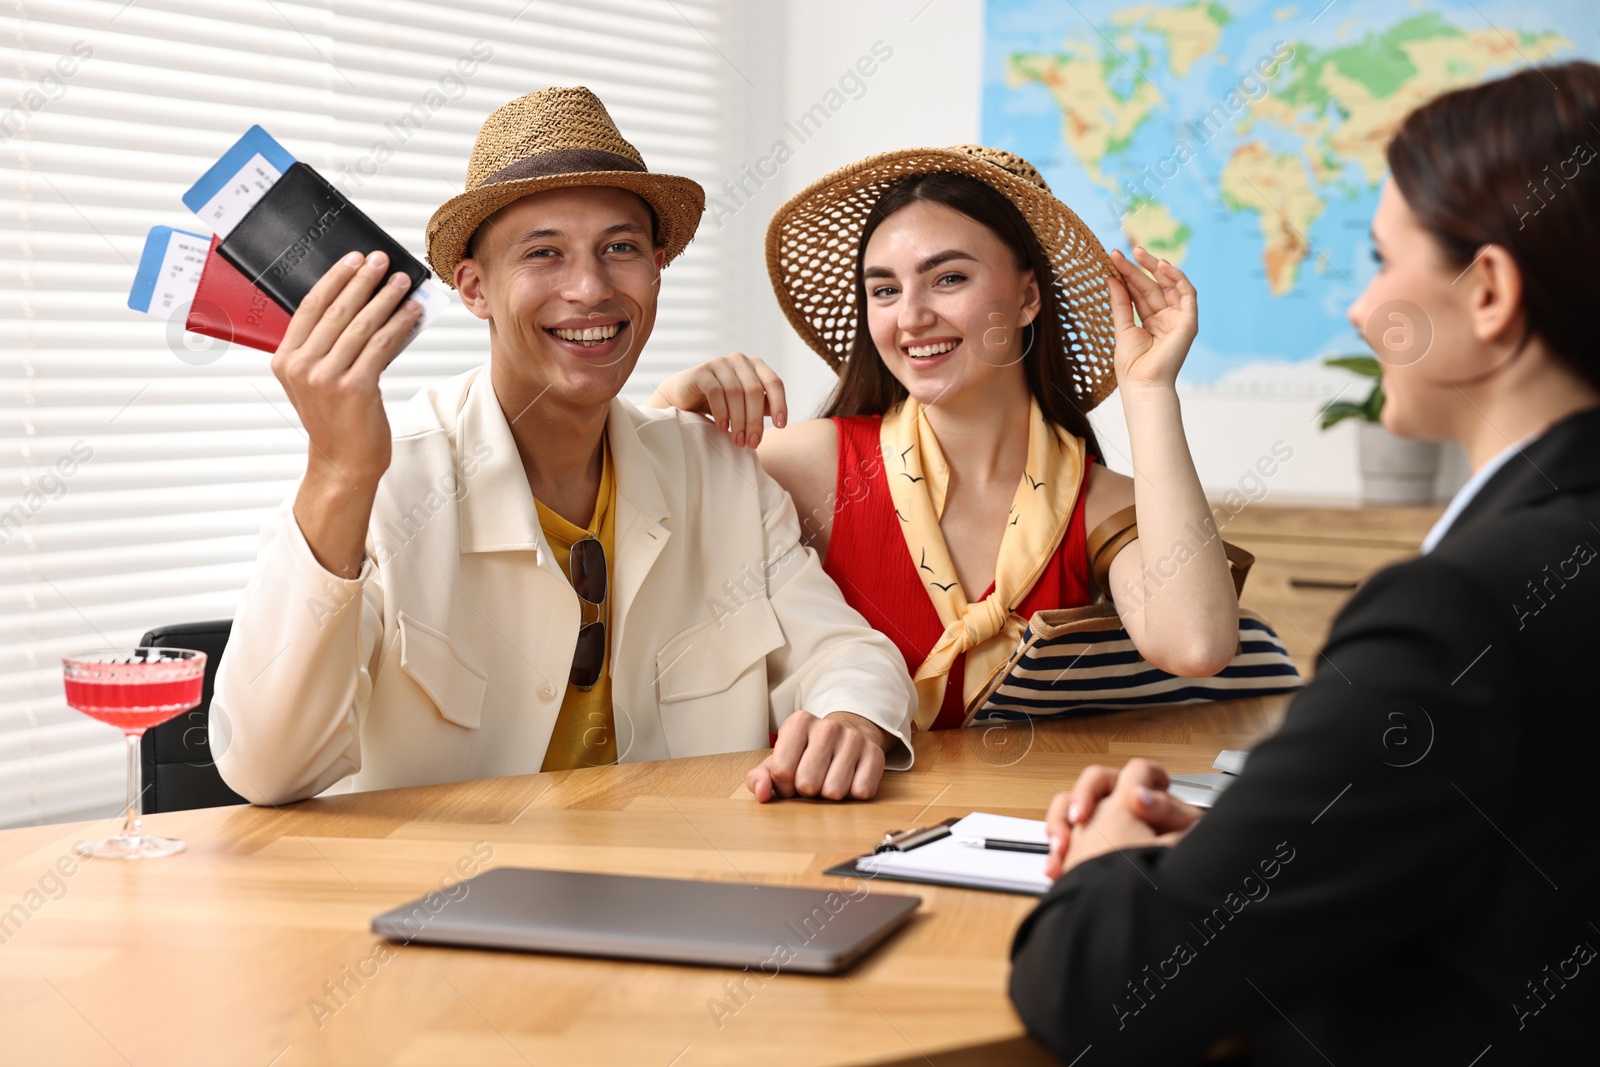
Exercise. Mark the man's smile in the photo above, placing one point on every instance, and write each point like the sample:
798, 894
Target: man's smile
588, 334
591, 338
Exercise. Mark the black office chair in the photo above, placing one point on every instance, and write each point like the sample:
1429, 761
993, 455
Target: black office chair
179, 771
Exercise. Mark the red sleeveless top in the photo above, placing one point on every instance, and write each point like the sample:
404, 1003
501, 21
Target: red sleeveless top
867, 558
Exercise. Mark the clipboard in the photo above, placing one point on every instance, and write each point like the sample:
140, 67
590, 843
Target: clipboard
939, 859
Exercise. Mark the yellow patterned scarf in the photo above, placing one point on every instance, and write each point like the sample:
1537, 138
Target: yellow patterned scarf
989, 631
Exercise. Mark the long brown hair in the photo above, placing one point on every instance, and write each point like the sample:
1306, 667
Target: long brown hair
866, 387
1513, 162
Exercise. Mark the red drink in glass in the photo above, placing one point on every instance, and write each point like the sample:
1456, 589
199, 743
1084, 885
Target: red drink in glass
134, 690
133, 706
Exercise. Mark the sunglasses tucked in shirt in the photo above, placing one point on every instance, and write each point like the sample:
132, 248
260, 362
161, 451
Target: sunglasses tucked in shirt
585, 730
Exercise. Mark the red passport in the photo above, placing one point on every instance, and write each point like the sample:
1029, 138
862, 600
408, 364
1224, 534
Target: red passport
229, 307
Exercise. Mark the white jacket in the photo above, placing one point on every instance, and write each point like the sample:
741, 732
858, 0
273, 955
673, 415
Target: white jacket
448, 656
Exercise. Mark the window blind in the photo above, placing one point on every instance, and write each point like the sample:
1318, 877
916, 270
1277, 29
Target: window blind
137, 464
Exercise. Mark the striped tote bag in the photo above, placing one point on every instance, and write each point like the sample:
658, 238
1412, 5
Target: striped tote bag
1080, 661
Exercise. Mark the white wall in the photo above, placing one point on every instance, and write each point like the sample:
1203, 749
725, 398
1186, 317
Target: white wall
926, 93
929, 93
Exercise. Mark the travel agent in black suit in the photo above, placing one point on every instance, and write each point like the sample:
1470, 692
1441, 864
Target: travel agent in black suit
1407, 871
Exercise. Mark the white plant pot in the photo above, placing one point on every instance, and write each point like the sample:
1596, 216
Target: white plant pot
1395, 470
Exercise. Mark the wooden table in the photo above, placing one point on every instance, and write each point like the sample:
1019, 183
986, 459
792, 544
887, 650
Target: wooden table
253, 946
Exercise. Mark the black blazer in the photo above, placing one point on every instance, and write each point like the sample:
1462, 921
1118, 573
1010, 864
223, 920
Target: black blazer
1406, 871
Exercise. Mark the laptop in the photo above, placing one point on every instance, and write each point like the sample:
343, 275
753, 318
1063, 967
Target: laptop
672, 920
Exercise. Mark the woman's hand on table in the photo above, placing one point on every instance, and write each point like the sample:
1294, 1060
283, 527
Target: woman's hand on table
837, 756
1108, 810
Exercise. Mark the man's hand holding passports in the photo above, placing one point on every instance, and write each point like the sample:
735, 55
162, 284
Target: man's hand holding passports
346, 331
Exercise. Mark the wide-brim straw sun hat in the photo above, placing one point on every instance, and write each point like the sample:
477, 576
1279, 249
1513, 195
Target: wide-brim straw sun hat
813, 239
552, 139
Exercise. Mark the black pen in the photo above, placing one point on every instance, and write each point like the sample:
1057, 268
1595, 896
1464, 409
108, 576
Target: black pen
1006, 846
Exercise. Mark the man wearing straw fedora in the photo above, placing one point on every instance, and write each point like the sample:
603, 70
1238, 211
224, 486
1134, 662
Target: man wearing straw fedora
526, 572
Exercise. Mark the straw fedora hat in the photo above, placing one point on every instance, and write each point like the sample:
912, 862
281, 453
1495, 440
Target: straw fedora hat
813, 239
553, 139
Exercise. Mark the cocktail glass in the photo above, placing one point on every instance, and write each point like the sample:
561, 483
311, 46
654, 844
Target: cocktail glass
133, 690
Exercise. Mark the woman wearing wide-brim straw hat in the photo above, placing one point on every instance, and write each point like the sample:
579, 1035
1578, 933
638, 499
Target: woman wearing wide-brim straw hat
974, 321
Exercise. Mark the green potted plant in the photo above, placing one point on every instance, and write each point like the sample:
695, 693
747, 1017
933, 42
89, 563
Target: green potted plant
1394, 470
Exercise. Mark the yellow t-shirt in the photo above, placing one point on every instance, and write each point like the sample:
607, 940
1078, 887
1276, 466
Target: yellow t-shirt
585, 732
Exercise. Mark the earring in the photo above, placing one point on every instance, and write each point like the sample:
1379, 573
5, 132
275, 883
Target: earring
1027, 346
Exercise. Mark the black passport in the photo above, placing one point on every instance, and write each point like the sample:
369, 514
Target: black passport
300, 228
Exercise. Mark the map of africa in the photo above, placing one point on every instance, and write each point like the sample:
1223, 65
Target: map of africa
1244, 139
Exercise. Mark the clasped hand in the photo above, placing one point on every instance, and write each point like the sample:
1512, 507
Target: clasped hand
1109, 810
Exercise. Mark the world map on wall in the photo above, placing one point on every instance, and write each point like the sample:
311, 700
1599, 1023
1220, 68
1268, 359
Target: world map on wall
1244, 140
